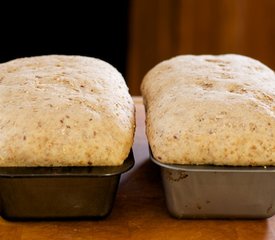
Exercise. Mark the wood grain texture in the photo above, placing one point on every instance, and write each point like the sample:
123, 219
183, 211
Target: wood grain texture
140, 213
160, 29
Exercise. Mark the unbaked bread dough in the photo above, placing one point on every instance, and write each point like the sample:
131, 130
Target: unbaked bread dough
64, 111
211, 110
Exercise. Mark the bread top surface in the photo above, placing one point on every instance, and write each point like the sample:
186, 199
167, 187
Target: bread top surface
211, 110
64, 111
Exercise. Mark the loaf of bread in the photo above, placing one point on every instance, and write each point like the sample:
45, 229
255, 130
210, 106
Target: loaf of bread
64, 111
211, 110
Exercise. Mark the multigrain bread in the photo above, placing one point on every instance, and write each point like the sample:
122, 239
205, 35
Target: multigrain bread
211, 110
64, 111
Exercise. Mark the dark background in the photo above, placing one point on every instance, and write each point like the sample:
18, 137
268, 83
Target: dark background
135, 35
98, 29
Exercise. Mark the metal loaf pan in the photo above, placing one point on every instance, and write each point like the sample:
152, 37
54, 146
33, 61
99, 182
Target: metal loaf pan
59, 192
218, 191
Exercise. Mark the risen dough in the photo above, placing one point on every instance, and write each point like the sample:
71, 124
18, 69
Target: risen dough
211, 110
64, 111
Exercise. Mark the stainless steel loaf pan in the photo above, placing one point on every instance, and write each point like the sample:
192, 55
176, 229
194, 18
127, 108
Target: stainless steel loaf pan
218, 191
59, 192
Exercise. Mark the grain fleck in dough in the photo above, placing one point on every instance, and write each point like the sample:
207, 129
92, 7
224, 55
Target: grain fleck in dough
211, 110
64, 111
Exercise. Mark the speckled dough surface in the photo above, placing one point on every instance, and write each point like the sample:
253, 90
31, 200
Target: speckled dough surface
64, 111
211, 110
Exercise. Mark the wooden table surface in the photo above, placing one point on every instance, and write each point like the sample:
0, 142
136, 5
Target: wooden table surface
139, 212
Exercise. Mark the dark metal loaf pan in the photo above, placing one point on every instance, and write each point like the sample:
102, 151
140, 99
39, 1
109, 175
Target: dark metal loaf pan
59, 192
218, 191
